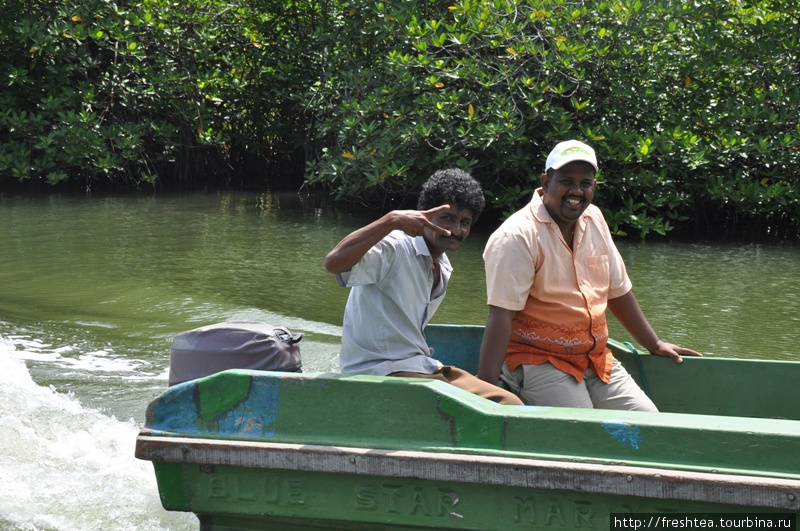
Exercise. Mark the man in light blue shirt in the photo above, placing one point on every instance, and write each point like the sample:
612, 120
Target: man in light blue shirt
398, 272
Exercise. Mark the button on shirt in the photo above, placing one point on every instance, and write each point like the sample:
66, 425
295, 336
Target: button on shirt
560, 294
390, 304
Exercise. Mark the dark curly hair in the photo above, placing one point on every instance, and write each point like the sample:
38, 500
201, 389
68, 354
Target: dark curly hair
452, 187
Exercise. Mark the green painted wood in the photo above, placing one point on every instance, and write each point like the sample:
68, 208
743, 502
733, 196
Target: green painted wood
244, 485
171, 486
719, 386
715, 422
708, 386
350, 502
383, 412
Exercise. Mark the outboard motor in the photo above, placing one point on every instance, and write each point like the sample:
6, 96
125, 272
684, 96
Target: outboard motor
233, 345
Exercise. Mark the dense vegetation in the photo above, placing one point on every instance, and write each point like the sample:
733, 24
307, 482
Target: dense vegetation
691, 106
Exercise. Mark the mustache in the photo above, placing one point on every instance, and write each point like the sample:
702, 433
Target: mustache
458, 237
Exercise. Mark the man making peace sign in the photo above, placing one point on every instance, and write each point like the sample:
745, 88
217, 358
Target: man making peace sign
398, 271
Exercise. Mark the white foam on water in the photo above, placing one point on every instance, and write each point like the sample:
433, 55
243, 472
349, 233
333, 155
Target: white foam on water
71, 356
65, 467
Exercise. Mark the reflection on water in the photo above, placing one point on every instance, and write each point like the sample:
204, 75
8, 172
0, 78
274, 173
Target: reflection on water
109, 281
121, 276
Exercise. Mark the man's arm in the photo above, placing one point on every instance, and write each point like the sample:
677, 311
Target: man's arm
495, 343
627, 311
355, 245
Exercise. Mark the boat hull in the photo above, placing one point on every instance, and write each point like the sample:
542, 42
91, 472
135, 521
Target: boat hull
325, 487
260, 450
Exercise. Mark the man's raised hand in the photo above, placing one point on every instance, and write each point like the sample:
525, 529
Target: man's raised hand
413, 222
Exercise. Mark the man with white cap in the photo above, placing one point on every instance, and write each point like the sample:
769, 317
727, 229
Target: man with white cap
552, 269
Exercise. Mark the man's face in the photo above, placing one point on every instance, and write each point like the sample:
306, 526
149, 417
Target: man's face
458, 221
568, 192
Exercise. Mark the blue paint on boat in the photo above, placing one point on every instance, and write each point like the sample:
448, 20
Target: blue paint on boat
260, 410
255, 416
175, 410
624, 433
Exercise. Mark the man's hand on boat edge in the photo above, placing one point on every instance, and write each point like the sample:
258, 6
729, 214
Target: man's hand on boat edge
670, 350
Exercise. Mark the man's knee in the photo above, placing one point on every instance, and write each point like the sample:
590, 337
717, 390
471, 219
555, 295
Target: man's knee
545, 385
620, 393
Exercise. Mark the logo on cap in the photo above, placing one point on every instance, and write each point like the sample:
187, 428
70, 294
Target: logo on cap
576, 150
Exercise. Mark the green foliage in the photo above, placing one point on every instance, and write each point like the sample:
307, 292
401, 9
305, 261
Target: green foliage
691, 106
141, 91
84, 94
700, 115
442, 86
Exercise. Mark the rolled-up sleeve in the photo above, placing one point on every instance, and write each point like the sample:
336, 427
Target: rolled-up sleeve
370, 269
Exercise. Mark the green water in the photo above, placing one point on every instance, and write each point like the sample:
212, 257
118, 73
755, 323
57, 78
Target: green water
103, 284
93, 289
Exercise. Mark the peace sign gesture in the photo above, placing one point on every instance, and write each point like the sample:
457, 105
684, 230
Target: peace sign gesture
354, 246
414, 222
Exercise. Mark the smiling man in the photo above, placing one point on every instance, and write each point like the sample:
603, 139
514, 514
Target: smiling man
398, 271
552, 269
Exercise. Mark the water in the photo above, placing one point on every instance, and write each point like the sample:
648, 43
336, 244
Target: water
92, 290
66, 466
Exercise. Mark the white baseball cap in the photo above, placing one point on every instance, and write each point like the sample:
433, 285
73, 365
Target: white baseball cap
570, 151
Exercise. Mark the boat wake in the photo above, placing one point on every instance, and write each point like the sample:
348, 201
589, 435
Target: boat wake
66, 467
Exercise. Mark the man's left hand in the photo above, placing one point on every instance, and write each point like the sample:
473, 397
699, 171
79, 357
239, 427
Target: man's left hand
673, 351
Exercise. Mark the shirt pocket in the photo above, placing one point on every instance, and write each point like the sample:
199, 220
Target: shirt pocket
597, 278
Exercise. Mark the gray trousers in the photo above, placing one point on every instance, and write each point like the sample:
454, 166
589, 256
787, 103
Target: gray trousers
544, 385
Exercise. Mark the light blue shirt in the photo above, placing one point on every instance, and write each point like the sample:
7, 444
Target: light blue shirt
390, 304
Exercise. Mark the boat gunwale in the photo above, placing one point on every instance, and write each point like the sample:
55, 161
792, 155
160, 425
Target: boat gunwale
623, 428
488, 470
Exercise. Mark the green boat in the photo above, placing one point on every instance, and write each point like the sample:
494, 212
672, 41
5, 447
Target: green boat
259, 450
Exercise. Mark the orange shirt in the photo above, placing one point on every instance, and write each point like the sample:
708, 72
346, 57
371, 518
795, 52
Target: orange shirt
559, 294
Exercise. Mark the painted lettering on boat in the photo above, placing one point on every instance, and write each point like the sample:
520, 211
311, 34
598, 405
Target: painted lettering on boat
554, 513
275, 490
407, 500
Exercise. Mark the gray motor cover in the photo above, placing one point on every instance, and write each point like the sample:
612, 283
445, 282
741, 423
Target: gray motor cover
233, 345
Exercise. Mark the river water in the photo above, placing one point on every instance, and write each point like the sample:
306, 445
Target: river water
93, 289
